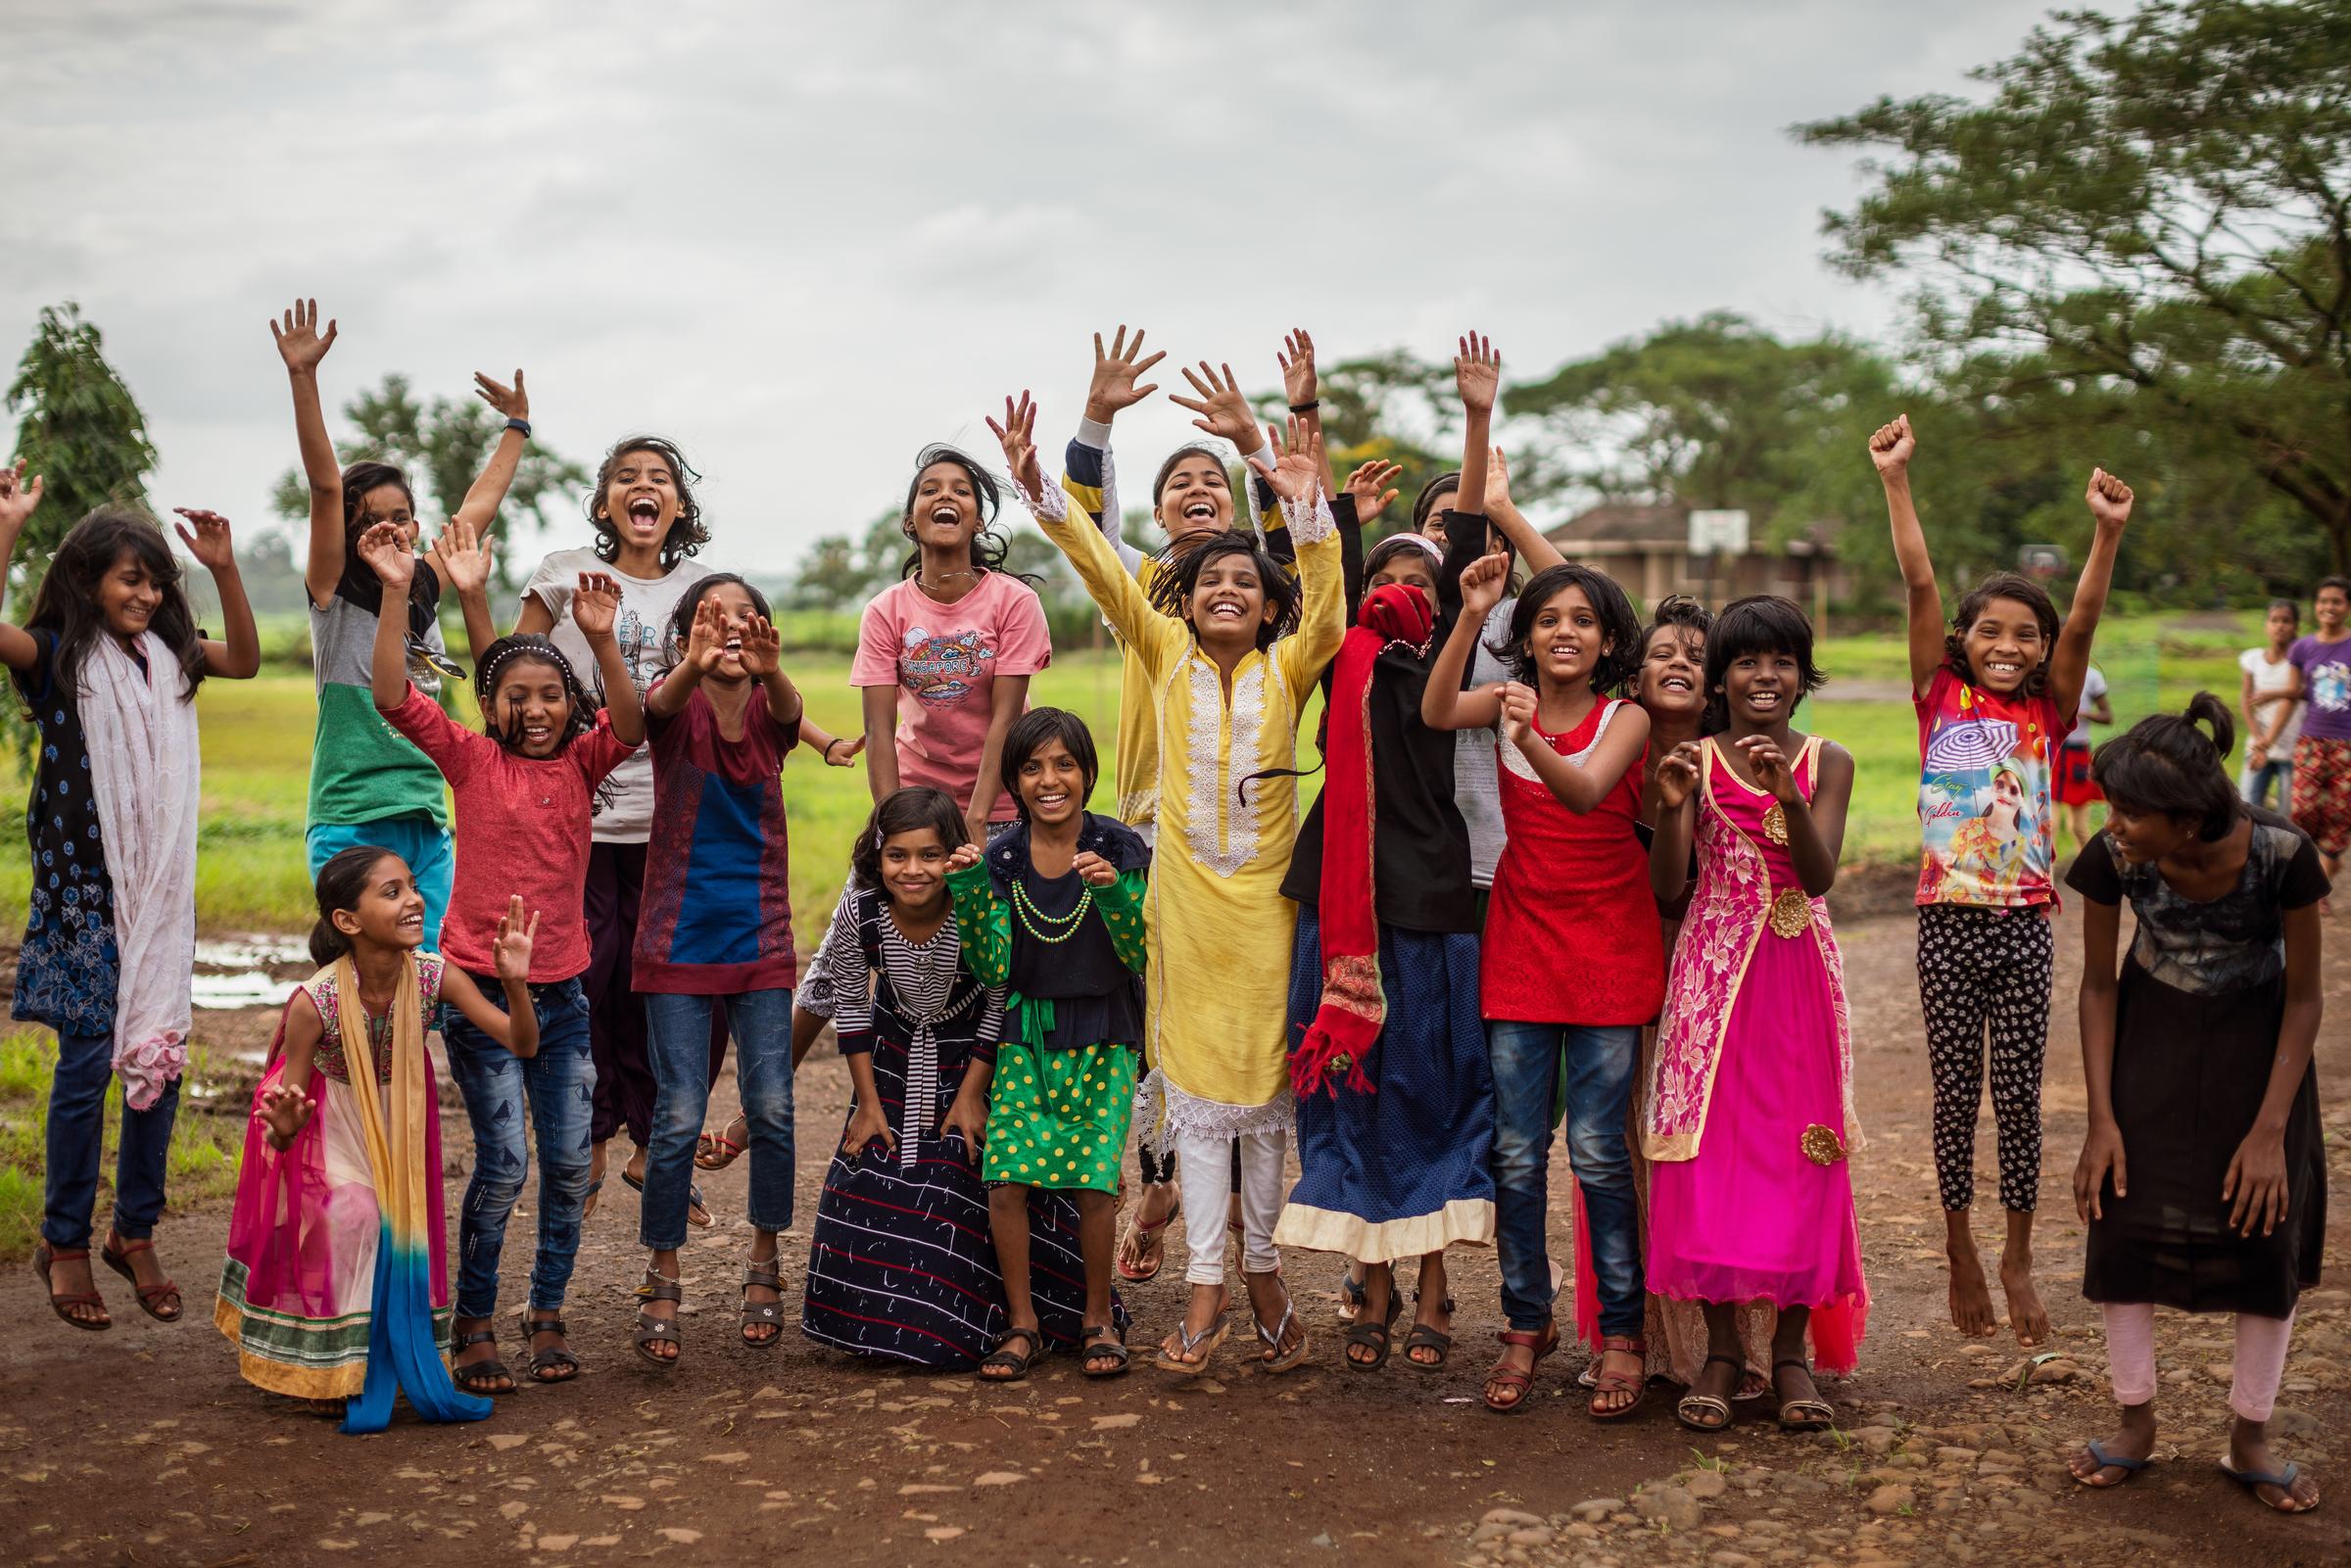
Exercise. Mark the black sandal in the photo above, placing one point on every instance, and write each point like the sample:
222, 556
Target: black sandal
468, 1377
1114, 1346
1423, 1337
770, 1275
1015, 1363
554, 1356
652, 1331
1376, 1335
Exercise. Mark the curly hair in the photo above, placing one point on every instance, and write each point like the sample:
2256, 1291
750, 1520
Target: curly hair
687, 535
1171, 588
988, 547
2019, 589
1618, 663
906, 811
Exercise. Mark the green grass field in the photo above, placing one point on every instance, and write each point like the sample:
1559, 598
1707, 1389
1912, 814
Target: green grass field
256, 746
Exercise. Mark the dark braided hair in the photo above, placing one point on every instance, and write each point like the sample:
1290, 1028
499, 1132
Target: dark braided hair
528, 647
2167, 766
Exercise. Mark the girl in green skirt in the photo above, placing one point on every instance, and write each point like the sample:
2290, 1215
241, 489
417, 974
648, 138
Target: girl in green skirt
1053, 909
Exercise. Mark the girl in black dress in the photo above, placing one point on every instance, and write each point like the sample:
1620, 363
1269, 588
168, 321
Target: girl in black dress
2203, 1181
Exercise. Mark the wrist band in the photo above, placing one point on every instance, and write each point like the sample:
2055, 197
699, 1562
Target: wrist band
524, 425
830, 744
1307, 406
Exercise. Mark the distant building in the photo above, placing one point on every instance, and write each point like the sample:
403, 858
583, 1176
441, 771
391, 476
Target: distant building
1646, 548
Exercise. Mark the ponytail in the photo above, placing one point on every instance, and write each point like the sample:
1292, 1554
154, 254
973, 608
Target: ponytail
2174, 765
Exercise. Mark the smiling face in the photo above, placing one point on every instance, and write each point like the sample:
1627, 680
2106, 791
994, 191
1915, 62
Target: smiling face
2004, 646
945, 513
2007, 801
128, 596
2140, 836
390, 912
1227, 604
641, 497
1053, 785
914, 871
532, 706
1669, 685
1762, 688
1567, 641
2331, 606
1195, 502
733, 601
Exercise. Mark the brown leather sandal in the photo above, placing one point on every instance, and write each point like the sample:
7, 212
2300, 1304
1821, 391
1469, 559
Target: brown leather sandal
1607, 1383
1504, 1374
60, 1302
149, 1294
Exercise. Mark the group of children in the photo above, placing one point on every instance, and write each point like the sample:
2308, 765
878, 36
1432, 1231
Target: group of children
1565, 868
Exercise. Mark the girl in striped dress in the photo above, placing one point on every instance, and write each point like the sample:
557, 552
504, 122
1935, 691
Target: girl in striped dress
901, 1266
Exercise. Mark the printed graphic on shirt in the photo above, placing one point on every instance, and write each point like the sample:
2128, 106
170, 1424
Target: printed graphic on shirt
2330, 686
1984, 804
939, 670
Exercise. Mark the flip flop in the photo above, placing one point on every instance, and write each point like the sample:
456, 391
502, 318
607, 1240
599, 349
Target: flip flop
2110, 1461
693, 1198
715, 1151
1140, 1234
1275, 1359
2284, 1479
1203, 1343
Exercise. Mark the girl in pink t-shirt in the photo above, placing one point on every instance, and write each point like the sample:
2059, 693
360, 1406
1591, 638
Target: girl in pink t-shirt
960, 636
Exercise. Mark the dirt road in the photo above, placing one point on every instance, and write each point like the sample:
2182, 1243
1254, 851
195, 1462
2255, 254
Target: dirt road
141, 1446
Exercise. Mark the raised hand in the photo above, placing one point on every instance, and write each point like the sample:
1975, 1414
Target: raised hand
967, 855
300, 343
19, 495
1498, 482
211, 544
513, 401
1113, 387
1296, 471
385, 550
2109, 501
1482, 585
1093, 870
466, 557
1017, 434
1221, 409
1296, 356
1477, 373
596, 605
1677, 774
706, 637
1771, 767
759, 646
283, 1112
1891, 446
1365, 485
1517, 713
510, 949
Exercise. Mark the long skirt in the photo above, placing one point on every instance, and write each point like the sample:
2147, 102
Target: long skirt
1406, 1169
1751, 1216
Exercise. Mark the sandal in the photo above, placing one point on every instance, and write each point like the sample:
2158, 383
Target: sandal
1814, 1415
1353, 1296
1114, 1346
650, 1330
1275, 1359
554, 1357
1147, 1251
771, 1275
1422, 1337
2253, 1480
470, 1377
715, 1151
45, 1254
1013, 1364
1606, 1383
1376, 1335
1694, 1405
149, 1294
2109, 1462
1203, 1343
1504, 1375
693, 1198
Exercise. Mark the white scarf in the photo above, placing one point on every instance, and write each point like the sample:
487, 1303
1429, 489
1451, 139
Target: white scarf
146, 777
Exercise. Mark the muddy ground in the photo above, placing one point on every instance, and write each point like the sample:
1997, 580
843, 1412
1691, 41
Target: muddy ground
142, 1445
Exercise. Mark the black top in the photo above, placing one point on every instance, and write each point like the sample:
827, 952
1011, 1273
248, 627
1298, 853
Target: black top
2221, 944
1096, 998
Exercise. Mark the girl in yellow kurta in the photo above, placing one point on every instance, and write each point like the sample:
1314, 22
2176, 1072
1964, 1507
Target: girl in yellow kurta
1229, 679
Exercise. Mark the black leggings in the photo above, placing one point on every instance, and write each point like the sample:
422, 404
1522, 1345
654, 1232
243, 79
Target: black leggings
1978, 967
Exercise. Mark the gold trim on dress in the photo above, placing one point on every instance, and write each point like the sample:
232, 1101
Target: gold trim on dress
1822, 1145
1791, 913
1775, 823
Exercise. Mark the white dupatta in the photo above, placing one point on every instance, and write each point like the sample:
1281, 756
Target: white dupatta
145, 777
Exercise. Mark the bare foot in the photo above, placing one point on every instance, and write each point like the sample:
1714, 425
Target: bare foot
2026, 1314
2134, 1440
1971, 1297
2249, 1453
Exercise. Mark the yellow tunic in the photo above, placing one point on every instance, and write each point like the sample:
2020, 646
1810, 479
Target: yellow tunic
1220, 930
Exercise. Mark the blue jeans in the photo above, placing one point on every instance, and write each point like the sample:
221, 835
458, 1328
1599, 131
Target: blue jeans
417, 840
1599, 1062
85, 1066
559, 1087
761, 1023
2255, 783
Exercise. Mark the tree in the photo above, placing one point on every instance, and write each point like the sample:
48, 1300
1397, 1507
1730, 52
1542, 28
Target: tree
2152, 212
445, 445
79, 428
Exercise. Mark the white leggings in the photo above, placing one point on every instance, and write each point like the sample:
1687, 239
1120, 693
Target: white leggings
1207, 1168
2261, 1343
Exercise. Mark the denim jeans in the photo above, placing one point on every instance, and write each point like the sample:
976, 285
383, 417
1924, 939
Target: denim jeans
555, 1088
417, 839
761, 1023
1599, 1062
2256, 783
85, 1066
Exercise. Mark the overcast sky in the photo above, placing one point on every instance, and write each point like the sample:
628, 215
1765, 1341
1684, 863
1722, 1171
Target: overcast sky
806, 240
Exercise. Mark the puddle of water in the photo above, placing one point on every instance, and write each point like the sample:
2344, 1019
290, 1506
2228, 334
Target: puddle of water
233, 971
